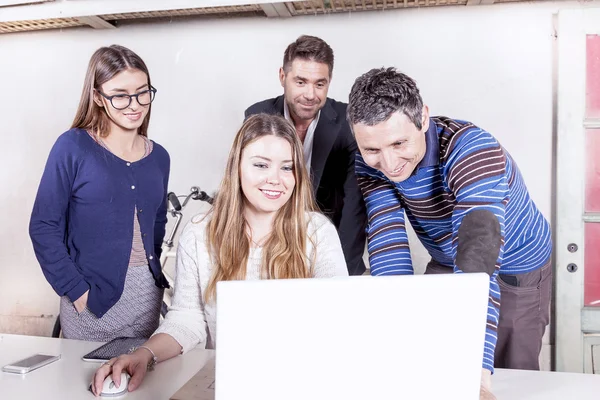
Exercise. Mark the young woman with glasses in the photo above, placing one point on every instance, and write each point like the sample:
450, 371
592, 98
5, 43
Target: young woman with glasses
99, 216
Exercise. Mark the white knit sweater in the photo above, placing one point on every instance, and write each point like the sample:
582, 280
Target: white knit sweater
192, 322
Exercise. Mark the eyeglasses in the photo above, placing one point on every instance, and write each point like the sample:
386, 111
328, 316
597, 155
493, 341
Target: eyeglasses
122, 101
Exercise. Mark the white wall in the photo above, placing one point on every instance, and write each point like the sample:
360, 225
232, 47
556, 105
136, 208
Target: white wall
468, 62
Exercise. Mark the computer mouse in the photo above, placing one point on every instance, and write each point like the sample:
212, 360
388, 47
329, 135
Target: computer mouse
109, 389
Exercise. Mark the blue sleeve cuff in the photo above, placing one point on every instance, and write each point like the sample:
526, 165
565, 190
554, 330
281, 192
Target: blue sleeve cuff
488, 366
78, 290
488, 356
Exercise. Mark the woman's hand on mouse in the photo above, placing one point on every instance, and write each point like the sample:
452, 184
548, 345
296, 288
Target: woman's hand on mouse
134, 364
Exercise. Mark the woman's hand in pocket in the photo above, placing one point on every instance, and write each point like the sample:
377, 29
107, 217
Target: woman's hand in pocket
81, 302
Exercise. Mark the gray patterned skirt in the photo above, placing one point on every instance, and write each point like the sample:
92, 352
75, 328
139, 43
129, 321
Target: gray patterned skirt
136, 314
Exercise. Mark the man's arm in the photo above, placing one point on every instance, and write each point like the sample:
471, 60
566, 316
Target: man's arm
476, 174
353, 220
389, 253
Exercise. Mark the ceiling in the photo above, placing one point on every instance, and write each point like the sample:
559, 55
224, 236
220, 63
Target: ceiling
97, 20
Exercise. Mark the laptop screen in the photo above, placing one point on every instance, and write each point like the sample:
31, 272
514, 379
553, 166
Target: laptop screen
349, 338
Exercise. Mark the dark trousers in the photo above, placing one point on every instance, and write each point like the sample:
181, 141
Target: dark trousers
524, 314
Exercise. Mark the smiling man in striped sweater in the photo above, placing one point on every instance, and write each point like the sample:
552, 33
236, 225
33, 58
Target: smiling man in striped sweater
467, 202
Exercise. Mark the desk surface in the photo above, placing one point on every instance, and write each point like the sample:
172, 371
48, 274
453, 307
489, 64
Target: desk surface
69, 378
541, 385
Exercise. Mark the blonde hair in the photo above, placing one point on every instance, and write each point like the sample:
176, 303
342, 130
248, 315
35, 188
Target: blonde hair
106, 62
284, 252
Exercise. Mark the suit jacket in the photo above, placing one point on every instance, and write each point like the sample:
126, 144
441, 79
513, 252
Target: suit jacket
332, 175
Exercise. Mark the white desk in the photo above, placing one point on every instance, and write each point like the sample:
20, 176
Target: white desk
69, 378
535, 385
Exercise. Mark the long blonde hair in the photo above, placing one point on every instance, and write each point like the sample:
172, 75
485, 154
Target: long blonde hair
284, 253
106, 62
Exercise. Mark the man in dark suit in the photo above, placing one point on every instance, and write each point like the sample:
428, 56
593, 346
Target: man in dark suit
329, 146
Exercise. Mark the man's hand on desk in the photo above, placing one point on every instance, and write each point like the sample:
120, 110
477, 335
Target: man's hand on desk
135, 364
486, 385
485, 394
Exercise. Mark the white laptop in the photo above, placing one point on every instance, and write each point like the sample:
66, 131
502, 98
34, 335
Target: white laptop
356, 338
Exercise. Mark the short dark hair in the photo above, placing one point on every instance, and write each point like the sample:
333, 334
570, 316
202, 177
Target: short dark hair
309, 48
379, 93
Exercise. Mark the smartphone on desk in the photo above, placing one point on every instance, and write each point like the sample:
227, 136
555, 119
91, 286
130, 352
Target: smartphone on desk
30, 363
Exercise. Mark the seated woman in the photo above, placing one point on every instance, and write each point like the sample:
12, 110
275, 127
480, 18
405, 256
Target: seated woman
262, 226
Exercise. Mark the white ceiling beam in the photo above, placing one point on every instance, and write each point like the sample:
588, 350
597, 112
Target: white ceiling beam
84, 8
473, 2
487, 1
269, 10
276, 10
282, 10
96, 22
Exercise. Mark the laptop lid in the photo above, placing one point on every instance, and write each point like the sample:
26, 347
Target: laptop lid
394, 337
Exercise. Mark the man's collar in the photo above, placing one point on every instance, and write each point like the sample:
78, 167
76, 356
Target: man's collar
432, 147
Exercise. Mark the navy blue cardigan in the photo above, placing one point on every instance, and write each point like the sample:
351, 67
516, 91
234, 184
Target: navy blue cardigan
82, 220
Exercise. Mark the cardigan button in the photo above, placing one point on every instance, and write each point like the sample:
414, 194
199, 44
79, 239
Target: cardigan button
132, 187
151, 258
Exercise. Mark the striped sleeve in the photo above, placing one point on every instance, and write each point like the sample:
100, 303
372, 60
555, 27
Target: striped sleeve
475, 172
387, 239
